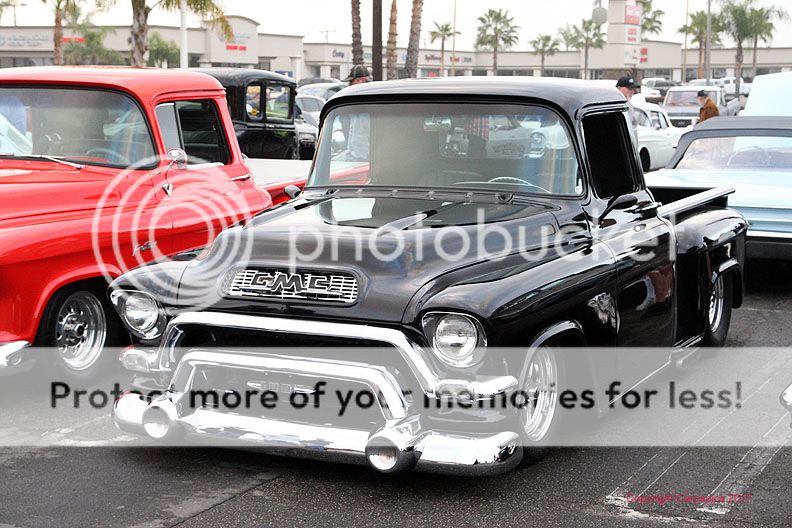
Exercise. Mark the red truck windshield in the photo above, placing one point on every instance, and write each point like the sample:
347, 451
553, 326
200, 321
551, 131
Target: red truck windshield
93, 127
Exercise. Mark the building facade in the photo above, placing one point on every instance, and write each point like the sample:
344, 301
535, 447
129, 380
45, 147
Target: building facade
288, 54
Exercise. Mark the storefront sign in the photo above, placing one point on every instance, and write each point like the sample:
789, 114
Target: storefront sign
35, 40
632, 15
338, 54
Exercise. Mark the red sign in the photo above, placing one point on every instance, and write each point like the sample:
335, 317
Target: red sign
235, 47
632, 15
74, 39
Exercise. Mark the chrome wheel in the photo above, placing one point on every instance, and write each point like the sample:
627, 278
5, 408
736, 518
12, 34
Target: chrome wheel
80, 331
716, 303
541, 387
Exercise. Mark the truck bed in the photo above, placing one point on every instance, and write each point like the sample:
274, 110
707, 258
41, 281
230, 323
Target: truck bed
682, 201
275, 175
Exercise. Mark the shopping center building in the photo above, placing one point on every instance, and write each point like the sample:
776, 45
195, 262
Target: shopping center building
289, 54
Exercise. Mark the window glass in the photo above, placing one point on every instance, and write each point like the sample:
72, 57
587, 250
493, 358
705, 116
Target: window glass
169, 125
202, 132
738, 153
253, 102
278, 102
643, 119
607, 142
686, 97
518, 148
658, 120
40, 121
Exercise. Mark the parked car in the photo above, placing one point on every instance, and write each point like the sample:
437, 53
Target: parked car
323, 90
261, 104
307, 136
658, 83
657, 139
305, 81
683, 109
109, 139
729, 85
753, 155
768, 96
310, 106
786, 398
419, 317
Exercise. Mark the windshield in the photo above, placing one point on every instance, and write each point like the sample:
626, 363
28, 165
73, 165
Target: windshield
739, 153
686, 97
86, 126
518, 148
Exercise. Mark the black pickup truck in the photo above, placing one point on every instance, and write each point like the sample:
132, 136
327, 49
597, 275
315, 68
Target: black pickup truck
453, 237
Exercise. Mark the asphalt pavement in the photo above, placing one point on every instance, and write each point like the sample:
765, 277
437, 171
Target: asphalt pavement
77, 483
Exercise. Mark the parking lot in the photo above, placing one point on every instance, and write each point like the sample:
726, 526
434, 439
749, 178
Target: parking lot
79, 483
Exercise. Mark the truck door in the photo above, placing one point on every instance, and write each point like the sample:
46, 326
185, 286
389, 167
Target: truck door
269, 114
643, 245
212, 190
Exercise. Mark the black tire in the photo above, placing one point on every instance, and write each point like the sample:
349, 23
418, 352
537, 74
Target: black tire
53, 334
719, 309
646, 163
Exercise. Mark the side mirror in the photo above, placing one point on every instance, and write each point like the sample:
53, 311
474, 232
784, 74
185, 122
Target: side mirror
292, 191
177, 157
620, 202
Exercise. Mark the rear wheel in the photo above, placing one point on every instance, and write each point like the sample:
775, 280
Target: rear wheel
719, 310
77, 325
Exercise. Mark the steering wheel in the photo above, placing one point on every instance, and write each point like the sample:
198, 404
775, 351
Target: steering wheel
765, 157
107, 154
518, 180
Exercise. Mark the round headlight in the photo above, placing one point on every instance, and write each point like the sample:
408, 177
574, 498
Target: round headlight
456, 339
141, 312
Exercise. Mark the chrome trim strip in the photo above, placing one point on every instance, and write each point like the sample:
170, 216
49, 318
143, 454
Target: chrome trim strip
11, 353
769, 234
694, 201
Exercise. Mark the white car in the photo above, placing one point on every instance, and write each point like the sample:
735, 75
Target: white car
657, 139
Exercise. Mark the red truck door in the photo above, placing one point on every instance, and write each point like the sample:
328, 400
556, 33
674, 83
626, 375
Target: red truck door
212, 190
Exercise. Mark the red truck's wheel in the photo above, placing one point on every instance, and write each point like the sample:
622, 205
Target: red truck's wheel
719, 310
77, 325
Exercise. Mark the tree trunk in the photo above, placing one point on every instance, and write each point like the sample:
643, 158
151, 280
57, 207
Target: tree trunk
140, 13
357, 38
495, 58
755, 46
542, 65
585, 63
415, 37
57, 38
376, 41
391, 62
700, 73
442, 57
738, 69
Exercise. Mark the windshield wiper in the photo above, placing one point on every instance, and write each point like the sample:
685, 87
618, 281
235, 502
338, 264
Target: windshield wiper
54, 159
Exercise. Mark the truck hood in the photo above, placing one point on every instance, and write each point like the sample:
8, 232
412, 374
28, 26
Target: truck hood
27, 193
391, 246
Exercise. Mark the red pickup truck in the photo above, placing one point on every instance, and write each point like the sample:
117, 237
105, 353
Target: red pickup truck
102, 170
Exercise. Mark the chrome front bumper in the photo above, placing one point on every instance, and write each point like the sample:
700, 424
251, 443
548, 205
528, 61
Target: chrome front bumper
403, 441
12, 357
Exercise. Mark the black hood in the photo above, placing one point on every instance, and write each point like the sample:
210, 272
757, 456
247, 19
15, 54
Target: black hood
392, 245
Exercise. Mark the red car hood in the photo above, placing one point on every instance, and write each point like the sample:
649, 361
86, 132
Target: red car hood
32, 192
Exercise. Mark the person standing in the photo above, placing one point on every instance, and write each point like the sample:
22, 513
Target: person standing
708, 107
627, 86
357, 127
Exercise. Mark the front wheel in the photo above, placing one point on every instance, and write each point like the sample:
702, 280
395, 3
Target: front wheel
77, 325
539, 418
719, 309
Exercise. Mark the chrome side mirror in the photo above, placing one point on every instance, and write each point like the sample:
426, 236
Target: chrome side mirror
177, 157
292, 191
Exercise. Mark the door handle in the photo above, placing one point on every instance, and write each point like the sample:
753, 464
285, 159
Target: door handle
148, 246
244, 177
168, 188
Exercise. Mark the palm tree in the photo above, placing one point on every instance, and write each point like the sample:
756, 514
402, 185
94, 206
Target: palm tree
763, 27
543, 46
697, 29
651, 19
162, 53
496, 32
390, 50
357, 39
567, 34
92, 49
210, 10
588, 35
415, 36
739, 26
442, 32
62, 8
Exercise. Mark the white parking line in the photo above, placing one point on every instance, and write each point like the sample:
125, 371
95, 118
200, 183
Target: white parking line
750, 466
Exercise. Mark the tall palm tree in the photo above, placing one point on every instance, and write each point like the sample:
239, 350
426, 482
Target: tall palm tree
442, 32
391, 71
697, 29
496, 32
651, 19
543, 46
210, 10
739, 26
567, 34
357, 38
63, 9
588, 35
763, 27
415, 36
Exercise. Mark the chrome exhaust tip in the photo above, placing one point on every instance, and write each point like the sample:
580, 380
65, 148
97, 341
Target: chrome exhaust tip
394, 450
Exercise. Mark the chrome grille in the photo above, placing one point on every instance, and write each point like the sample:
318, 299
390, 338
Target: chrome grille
281, 284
